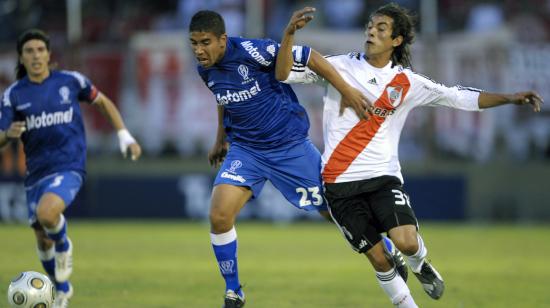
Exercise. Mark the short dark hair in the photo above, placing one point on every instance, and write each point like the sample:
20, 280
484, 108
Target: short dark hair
31, 34
403, 24
207, 21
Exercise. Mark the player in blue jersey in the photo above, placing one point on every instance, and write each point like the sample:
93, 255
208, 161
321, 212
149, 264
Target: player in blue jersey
262, 129
42, 109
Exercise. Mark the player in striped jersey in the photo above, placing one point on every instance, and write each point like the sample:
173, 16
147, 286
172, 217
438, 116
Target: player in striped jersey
42, 109
361, 169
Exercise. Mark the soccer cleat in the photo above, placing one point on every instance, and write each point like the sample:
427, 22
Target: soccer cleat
62, 298
431, 280
233, 300
64, 263
395, 255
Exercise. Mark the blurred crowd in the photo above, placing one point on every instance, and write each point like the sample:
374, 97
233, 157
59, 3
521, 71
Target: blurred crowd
146, 81
117, 20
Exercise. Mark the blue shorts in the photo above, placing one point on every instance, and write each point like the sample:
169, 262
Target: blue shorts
64, 184
294, 170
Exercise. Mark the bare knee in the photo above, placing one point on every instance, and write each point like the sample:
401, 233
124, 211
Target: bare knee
47, 216
49, 209
227, 201
407, 243
221, 220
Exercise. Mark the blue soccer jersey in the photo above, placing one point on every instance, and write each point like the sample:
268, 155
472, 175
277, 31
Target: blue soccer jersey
54, 139
259, 111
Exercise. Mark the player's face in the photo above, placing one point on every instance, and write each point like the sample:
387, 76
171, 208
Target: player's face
35, 56
379, 42
207, 47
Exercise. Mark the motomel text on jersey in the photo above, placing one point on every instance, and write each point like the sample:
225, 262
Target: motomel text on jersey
238, 96
49, 119
253, 51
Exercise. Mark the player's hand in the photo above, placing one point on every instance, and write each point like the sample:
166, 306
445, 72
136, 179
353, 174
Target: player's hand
528, 98
217, 154
15, 130
299, 19
127, 143
135, 151
354, 99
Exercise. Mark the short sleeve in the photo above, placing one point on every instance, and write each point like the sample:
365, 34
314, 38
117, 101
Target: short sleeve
87, 91
265, 51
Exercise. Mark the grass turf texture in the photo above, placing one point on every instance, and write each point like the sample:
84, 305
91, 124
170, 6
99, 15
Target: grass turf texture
171, 264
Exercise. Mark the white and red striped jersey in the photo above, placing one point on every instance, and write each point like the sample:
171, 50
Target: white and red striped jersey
358, 150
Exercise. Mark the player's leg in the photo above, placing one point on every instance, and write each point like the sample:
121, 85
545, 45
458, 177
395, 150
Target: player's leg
238, 180
56, 193
352, 216
393, 209
227, 201
50, 215
410, 242
46, 254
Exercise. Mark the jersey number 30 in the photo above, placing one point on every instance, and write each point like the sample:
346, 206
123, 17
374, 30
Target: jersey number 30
309, 194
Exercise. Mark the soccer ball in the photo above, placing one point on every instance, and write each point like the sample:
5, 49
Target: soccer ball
31, 290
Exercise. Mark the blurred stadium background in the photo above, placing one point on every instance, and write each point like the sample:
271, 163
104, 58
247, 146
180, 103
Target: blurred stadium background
459, 167
490, 166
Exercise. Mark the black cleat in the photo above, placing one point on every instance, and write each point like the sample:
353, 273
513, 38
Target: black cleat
431, 280
233, 300
397, 258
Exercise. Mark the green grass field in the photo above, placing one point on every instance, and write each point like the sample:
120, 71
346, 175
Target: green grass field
170, 264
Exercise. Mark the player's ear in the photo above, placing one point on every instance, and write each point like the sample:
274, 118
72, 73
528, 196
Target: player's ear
397, 41
223, 38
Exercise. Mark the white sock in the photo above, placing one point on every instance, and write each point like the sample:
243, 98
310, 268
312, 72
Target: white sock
46, 255
396, 289
415, 261
58, 227
223, 238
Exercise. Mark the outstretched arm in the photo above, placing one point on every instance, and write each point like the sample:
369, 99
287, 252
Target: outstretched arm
126, 141
489, 100
284, 58
351, 97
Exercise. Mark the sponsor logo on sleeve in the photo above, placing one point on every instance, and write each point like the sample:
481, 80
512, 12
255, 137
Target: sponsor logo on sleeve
254, 53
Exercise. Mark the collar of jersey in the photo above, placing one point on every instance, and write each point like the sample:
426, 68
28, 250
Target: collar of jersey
388, 66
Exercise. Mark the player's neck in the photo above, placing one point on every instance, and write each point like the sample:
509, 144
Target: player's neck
378, 61
39, 77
